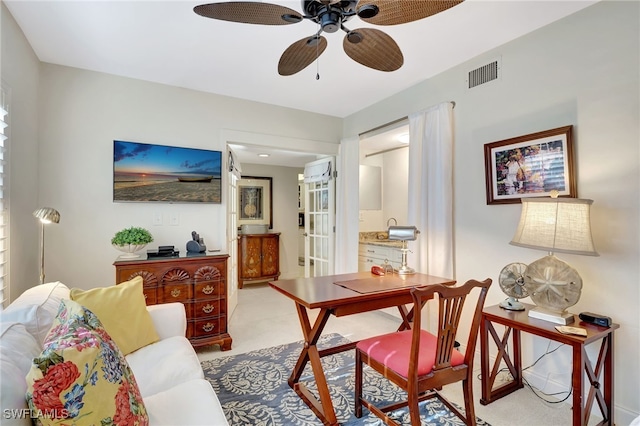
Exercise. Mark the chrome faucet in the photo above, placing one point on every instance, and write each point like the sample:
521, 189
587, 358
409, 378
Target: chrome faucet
394, 220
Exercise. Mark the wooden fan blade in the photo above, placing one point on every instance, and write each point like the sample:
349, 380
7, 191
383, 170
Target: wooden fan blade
373, 48
393, 12
249, 13
300, 54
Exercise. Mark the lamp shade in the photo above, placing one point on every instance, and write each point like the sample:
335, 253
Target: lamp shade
555, 225
47, 215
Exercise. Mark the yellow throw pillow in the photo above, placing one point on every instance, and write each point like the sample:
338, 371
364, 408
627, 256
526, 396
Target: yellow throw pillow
81, 377
123, 313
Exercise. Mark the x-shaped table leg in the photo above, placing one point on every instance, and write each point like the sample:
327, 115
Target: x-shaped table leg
324, 407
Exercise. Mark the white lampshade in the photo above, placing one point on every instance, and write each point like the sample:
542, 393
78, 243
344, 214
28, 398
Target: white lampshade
555, 225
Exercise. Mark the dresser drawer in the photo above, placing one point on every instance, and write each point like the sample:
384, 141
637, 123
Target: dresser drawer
206, 327
176, 293
371, 250
209, 308
197, 282
208, 289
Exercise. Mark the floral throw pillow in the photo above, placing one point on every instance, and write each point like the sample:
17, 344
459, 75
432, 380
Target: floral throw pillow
81, 377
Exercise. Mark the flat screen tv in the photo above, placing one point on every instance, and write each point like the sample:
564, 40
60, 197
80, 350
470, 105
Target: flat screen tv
145, 172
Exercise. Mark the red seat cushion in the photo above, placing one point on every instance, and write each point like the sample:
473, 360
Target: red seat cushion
392, 350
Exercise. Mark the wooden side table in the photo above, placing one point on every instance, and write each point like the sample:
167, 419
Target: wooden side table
599, 377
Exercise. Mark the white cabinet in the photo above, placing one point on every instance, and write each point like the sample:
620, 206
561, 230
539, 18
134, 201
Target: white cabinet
376, 254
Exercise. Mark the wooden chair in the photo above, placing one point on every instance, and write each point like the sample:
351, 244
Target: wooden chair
421, 363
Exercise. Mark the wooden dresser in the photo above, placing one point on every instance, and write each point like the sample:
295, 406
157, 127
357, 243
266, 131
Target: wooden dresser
197, 281
259, 257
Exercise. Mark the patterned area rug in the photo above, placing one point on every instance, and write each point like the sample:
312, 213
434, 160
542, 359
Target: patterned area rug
253, 389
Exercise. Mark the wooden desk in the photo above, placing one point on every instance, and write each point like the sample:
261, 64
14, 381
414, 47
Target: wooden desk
334, 295
517, 321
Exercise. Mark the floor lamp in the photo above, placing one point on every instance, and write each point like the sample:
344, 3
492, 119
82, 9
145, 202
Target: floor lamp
46, 215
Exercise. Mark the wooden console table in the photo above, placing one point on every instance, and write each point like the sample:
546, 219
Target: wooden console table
516, 322
197, 281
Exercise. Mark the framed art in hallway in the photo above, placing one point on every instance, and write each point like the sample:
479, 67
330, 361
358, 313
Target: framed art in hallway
255, 206
532, 165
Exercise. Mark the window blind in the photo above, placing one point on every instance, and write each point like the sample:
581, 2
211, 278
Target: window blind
4, 211
317, 172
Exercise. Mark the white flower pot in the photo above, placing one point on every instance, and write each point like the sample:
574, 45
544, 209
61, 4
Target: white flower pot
129, 250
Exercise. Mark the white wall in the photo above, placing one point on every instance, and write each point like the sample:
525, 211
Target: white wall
371, 220
285, 211
82, 113
584, 71
20, 69
395, 186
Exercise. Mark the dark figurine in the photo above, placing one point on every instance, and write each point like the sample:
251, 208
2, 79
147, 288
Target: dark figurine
196, 245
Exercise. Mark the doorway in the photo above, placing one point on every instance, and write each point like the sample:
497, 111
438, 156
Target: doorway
273, 152
385, 151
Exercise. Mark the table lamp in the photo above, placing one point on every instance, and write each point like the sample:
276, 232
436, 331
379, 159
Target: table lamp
554, 225
46, 215
404, 234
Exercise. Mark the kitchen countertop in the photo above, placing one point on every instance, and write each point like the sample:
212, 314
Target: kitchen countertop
380, 238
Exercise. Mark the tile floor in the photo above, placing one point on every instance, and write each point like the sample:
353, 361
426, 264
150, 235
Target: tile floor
266, 318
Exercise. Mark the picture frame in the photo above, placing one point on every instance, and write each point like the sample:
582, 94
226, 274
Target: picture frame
255, 201
532, 165
144, 172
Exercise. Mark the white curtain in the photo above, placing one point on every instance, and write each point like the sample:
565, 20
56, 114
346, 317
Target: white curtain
431, 190
347, 206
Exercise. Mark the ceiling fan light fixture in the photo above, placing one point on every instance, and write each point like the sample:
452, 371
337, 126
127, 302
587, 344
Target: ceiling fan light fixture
368, 11
367, 46
330, 21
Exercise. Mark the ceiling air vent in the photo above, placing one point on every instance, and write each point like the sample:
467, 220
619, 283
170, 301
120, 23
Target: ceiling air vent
484, 74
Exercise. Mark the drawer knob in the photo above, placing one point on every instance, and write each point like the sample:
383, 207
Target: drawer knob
208, 327
208, 289
208, 308
175, 292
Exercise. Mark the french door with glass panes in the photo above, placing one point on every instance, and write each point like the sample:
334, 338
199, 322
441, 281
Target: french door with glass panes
319, 221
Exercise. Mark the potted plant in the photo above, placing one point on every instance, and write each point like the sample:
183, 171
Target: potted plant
131, 240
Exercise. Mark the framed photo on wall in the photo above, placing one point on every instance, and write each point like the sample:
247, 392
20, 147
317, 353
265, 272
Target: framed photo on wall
530, 166
144, 172
255, 206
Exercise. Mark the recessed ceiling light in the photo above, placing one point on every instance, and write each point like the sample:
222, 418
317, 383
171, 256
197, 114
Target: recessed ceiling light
404, 138
264, 155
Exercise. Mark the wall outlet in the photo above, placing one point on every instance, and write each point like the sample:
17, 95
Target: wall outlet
157, 219
174, 219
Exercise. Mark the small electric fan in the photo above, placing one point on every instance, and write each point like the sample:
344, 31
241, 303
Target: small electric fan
511, 282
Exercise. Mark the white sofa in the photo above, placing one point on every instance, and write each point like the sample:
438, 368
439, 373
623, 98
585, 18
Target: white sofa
168, 372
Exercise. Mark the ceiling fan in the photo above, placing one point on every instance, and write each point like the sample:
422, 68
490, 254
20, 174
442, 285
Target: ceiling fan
370, 47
